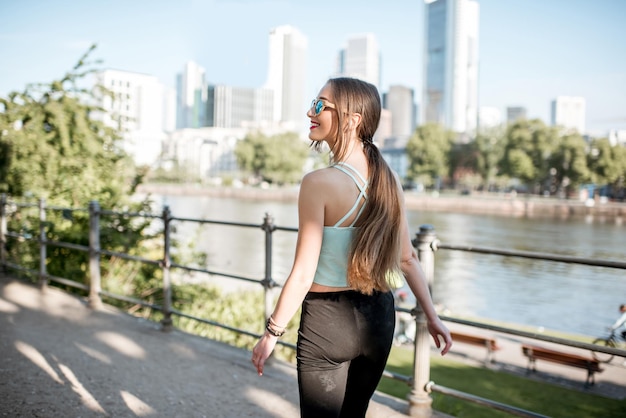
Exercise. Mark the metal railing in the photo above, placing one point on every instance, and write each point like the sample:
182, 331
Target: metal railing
425, 242
95, 252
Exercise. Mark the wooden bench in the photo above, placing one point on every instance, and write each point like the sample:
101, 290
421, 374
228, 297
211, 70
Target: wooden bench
534, 352
487, 342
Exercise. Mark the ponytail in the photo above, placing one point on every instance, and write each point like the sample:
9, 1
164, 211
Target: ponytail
375, 249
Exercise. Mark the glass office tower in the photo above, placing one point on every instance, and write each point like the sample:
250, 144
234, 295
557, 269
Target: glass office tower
450, 95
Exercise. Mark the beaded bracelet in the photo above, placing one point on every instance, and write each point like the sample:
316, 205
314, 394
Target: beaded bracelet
269, 328
271, 319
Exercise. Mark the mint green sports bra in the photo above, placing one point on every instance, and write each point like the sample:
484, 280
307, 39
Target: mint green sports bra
332, 266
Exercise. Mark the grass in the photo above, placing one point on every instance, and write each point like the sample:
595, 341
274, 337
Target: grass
531, 395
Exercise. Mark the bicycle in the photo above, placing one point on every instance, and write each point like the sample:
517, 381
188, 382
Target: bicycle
611, 341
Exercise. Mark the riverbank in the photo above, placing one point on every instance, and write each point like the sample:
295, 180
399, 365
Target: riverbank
503, 204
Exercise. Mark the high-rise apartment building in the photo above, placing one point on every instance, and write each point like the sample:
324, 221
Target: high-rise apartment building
286, 75
569, 113
400, 102
239, 107
191, 91
515, 113
360, 59
450, 95
140, 107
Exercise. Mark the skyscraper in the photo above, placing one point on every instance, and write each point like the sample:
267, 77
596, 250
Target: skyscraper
569, 113
286, 75
191, 91
399, 100
360, 59
450, 95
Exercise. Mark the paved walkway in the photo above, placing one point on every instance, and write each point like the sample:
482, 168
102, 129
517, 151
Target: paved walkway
59, 358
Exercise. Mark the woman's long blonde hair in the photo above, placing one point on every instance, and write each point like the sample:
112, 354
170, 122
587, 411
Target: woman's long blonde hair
375, 249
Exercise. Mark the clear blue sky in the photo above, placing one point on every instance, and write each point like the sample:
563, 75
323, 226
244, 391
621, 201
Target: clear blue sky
530, 50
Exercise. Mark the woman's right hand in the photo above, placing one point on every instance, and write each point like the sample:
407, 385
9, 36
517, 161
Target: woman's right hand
262, 351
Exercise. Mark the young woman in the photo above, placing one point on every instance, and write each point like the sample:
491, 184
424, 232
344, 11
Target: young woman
352, 235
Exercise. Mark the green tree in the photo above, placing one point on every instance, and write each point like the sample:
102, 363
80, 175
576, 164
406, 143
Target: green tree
428, 152
277, 159
607, 164
528, 148
489, 147
568, 163
51, 147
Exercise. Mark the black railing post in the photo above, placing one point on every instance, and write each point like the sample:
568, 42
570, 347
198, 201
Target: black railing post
43, 249
3, 232
268, 283
420, 401
166, 322
94, 255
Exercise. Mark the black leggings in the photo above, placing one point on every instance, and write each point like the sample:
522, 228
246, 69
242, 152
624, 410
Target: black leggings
343, 344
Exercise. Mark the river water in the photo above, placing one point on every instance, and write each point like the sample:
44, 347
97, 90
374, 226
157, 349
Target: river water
541, 294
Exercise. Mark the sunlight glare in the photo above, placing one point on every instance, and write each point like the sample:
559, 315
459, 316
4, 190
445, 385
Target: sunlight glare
95, 354
263, 399
122, 344
136, 405
8, 307
88, 400
38, 359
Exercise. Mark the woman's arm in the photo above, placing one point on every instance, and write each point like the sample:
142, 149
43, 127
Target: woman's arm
417, 281
308, 246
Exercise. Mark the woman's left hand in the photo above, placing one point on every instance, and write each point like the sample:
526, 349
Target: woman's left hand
440, 332
262, 351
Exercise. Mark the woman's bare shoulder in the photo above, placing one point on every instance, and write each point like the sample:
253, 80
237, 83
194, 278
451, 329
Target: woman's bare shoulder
320, 176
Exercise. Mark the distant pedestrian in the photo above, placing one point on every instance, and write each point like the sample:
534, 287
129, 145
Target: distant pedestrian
352, 233
621, 321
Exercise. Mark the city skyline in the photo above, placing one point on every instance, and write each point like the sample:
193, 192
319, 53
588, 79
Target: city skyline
530, 51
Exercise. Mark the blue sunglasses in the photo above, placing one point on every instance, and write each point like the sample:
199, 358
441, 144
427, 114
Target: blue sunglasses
318, 106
